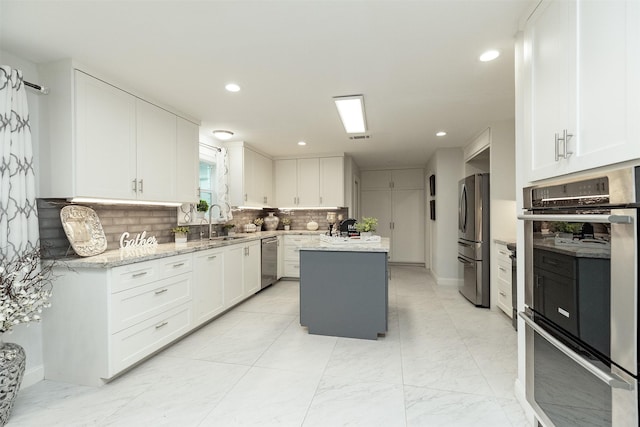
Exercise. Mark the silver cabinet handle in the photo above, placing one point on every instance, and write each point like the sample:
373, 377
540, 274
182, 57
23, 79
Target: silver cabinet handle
142, 273
160, 325
161, 291
565, 140
503, 294
557, 146
606, 219
245, 197
141, 185
612, 380
134, 185
180, 264
320, 199
503, 269
212, 257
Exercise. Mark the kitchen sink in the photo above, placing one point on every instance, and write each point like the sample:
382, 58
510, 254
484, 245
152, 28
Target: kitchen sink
223, 238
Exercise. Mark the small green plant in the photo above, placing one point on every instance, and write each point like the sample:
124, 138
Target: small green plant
202, 206
566, 227
286, 221
367, 224
258, 222
180, 229
228, 226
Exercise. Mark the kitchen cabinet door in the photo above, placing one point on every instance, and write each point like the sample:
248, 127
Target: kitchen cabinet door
263, 179
252, 267
106, 141
375, 180
286, 182
407, 179
233, 275
187, 160
156, 153
208, 280
407, 241
377, 204
581, 74
332, 181
308, 182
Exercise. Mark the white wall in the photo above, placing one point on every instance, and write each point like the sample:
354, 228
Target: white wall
448, 166
29, 336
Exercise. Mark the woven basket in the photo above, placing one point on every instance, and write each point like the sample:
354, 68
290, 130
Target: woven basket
12, 363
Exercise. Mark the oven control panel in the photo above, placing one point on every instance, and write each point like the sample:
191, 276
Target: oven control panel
593, 191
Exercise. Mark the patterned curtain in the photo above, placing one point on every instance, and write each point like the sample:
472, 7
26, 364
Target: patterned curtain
18, 212
222, 184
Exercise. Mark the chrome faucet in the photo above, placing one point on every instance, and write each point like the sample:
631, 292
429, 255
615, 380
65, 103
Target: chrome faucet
212, 232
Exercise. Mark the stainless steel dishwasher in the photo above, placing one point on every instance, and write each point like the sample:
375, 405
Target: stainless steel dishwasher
269, 261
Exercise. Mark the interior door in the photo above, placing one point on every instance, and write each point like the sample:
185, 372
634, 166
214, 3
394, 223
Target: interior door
408, 225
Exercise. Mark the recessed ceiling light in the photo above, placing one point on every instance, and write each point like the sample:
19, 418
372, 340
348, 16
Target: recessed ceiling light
223, 135
489, 55
302, 143
441, 133
232, 87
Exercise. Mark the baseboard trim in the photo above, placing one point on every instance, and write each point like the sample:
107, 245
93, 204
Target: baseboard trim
445, 281
32, 376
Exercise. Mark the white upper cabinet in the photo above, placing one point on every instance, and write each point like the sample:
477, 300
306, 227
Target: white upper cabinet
581, 86
106, 158
331, 181
310, 182
156, 152
187, 160
398, 179
250, 177
103, 142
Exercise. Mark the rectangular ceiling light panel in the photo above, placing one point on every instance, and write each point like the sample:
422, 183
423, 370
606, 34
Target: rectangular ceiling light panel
351, 110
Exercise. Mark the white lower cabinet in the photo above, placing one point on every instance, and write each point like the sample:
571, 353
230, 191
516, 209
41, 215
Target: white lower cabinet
503, 279
104, 320
292, 245
208, 279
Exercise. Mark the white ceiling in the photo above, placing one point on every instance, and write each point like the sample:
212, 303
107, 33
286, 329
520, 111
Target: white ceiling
415, 62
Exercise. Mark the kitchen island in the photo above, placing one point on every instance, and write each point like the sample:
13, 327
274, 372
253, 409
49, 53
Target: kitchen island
344, 288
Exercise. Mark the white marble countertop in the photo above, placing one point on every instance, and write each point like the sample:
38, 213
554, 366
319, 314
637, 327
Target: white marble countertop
354, 245
578, 251
119, 257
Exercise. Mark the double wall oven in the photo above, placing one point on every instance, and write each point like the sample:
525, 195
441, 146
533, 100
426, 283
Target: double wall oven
581, 299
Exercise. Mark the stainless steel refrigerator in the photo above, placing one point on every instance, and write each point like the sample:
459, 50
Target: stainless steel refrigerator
473, 238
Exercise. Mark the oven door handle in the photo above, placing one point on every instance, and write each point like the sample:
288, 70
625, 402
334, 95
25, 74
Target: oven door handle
605, 219
612, 380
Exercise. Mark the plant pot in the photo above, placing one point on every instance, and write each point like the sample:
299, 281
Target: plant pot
365, 234
287, 227
12, 363
200, 215
181, 237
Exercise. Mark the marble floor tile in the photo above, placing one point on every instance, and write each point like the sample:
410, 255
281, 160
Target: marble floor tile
343, 402
442, 363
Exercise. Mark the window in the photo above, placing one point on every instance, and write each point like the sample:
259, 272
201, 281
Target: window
207, 179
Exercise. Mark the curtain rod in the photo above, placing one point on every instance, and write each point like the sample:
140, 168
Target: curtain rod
43, 90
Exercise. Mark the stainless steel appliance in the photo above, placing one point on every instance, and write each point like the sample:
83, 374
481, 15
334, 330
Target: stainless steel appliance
473, 237
269, 261
581, 299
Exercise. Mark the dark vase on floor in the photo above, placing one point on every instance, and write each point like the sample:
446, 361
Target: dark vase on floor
12, 364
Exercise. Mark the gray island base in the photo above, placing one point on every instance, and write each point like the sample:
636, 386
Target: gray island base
344, 293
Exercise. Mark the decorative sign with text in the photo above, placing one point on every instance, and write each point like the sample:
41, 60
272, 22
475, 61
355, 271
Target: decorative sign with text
140, 241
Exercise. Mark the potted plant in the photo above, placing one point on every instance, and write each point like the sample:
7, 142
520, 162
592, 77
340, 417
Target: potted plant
258, 222
227, 229
180, 233
367, 226
201, 208
25, 290
286, 222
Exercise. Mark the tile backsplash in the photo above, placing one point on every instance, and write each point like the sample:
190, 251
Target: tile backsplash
155, 220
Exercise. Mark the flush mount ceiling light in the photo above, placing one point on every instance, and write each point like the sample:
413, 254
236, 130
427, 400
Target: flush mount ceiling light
232, 87
441, 133
489, 55
223, 135
351, 110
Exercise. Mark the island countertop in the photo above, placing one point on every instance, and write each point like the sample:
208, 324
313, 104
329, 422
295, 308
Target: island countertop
339, 244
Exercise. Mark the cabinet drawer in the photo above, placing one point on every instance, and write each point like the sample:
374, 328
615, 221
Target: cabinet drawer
292, 268
135, 343
173, 266
503, 253
142, 302
132, 275
504, 272
563, 265
291, 253
504, 301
